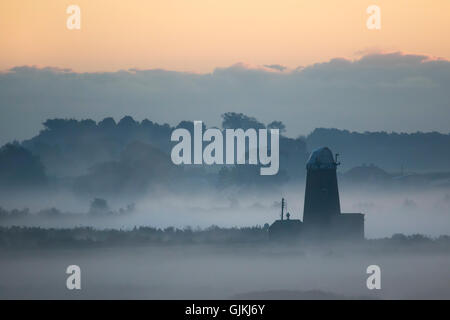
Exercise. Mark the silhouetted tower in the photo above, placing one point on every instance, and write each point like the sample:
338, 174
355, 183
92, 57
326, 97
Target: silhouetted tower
282, 208
321, 194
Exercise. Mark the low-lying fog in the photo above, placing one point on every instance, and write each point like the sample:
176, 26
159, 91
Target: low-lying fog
239, 271
386, 211
221, 272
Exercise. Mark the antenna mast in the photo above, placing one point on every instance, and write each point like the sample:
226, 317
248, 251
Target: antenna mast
336, 161
282, 209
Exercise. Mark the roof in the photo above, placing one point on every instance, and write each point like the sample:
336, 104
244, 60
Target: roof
287, 222
321, 158
352, 215
285, 228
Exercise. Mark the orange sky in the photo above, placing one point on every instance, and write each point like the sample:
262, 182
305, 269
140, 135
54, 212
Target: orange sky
199, 35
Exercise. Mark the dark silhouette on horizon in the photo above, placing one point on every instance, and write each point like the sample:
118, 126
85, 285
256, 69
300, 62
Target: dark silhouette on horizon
322, 217
108, 158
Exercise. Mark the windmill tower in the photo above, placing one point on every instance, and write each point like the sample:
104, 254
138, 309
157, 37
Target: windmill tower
321, 194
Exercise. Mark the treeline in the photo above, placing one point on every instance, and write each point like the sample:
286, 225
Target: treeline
35, 237
69, 147
394, 152
130, 157
98, 208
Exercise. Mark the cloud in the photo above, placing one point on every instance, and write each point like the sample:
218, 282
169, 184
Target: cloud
277, 67
378, 91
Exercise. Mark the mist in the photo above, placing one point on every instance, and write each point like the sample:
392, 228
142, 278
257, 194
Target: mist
224, 272
105, 196
387, 212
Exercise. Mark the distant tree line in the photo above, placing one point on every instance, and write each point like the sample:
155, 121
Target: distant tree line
99, 208
35, 237
130, 156
423, 152
109, 157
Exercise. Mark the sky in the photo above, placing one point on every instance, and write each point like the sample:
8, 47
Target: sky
201, 35
307, 63
390, 92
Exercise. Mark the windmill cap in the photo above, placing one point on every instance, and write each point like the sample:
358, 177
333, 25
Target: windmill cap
321, 158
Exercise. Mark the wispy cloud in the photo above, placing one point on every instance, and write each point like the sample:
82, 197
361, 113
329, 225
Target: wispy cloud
378, 91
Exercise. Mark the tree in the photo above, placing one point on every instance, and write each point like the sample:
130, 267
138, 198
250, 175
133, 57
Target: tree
19, 167
99, 206
233, 120
277, 125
